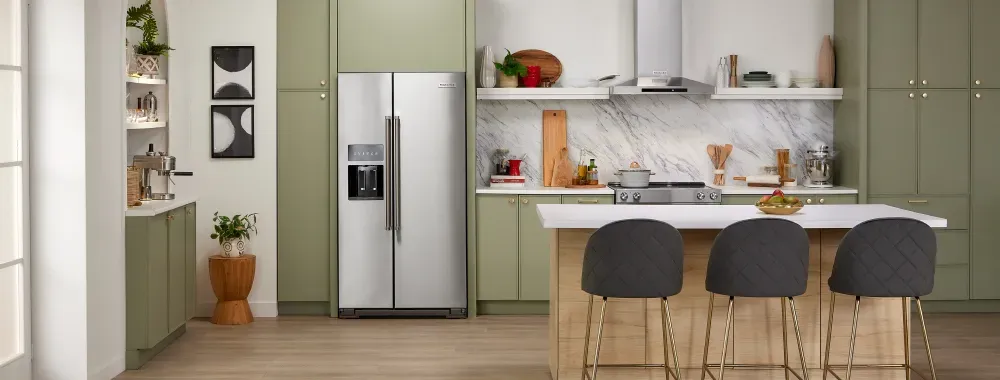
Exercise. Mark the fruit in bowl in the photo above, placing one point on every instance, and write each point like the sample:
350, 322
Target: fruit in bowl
779, 204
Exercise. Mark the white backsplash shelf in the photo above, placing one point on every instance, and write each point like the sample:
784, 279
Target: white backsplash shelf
540, 93
778, 94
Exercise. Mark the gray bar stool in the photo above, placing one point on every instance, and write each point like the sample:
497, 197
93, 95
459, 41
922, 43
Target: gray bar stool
636, 258
884, 258
758, 258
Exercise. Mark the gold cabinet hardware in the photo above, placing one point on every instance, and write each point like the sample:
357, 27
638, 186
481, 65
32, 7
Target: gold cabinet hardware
322, 83
809, 201
322, 96
912, 82
924, 95
911, 95
924, 82
524, 201
822, 201
511, 201
588, 201
170, 217
979, 96
921, 201
978, 82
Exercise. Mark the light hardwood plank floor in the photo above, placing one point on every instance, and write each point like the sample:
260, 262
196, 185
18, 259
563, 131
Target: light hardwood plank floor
305, 348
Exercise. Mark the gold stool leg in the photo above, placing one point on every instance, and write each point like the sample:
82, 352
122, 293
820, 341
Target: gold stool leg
586, 337
668, 332
725, 341
906, 337
854, 336
784, 336
600, 330
927, 342
708, 334
798, 337
829, 336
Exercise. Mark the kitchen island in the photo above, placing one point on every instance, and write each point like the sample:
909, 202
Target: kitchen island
632, 332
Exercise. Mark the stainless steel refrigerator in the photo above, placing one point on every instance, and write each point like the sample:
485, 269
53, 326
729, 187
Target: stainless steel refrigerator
402, 196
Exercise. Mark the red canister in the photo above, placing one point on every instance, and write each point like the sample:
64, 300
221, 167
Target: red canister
534, 76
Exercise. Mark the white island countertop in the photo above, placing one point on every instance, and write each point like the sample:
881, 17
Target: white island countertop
718, 217
151, 208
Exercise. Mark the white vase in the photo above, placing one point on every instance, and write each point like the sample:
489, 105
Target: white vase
233, 247
487, 71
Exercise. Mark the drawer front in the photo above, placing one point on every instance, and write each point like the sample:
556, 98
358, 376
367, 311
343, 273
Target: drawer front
740, 199
955, 209
953, 248
951, 283
588, 199
830, 199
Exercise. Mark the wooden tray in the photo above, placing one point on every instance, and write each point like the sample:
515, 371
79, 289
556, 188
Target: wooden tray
551, 66
597, 186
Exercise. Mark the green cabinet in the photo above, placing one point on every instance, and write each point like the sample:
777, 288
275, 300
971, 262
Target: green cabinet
191, 263
401, 36
985, 203
588, 199
159, 281
892, 31
985, 49
943, 52
304, 196
304, 45
533, 249
496, 240
832, 199
892, 142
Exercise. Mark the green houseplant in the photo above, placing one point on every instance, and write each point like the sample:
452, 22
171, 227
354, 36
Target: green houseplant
148, 51
233, 232
509, 70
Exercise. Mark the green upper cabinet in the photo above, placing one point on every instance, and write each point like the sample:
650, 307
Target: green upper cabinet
985, 202
401, 36
985, 49
943, 153
304, 196
496, 242
304, 45
892, 52
892, 141
944, 48
534, 247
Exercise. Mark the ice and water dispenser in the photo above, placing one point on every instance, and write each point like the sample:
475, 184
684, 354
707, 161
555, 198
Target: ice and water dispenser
365, 172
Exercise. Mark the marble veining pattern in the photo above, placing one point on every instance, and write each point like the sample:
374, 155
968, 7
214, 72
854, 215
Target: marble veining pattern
667, 134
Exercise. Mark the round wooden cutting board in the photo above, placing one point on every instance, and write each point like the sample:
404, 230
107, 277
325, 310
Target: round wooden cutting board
551, 67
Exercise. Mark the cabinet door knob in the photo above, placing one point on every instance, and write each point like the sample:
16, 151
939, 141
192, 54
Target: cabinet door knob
322, 96
809, 201
511, 201
524, 201
322, 83
822, 201
978, 96
912, 82
924, 95
170, 217
924, 82
912, 96
978, 82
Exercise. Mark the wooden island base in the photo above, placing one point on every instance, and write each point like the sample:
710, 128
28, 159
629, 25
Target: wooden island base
632, 332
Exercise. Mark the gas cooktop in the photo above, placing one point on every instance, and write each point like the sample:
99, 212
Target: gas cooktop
667, 193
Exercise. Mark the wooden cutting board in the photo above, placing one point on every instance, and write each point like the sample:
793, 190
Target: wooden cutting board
551, 66
553, 141
827, 64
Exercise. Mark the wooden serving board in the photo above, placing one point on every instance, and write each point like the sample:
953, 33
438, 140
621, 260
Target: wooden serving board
551, 66
553, 141
597, 186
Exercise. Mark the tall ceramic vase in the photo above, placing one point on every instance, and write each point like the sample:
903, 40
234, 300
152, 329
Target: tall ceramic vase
487, 72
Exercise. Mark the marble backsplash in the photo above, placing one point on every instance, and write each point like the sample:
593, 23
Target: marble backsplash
665, 133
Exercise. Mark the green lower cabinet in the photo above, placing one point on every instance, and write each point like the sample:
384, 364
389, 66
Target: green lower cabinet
836, 199
588, 199
985, 202
177, 273
534, 248
951, 283
496, 248
191, 260
955, 209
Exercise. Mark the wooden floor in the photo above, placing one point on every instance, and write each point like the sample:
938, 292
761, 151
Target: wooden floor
966, 346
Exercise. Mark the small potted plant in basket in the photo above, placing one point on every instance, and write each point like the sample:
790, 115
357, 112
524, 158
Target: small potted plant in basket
234, 232
148, 51
509, 70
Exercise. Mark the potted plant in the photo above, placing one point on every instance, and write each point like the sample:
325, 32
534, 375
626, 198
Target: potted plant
233, 233
510, 69
148, 51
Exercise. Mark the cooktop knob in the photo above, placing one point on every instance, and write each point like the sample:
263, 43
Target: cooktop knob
623, 196
713, 196
636, 196
700, 196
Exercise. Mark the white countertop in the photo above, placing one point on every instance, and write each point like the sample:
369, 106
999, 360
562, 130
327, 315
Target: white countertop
531, 190
150, 208
718, 217
796, 190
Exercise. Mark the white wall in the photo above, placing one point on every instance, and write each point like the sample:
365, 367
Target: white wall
230, 186
593, 38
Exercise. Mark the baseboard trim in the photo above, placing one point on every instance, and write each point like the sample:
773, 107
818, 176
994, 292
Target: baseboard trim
259, 309
115, 367
316, 308
970, 306
513, 307
135, 359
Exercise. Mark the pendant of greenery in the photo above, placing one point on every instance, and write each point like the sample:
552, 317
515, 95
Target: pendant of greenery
141, 18
511, 66
237, 227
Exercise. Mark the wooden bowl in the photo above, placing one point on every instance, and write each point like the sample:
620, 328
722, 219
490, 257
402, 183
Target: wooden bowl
779, 210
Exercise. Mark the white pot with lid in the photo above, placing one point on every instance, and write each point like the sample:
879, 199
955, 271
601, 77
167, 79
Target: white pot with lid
634, 176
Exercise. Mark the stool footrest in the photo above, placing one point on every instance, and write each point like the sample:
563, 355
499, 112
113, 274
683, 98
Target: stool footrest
831, 367
675, 372
708, 367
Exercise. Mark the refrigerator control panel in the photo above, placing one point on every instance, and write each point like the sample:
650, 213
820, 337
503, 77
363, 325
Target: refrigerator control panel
366, 152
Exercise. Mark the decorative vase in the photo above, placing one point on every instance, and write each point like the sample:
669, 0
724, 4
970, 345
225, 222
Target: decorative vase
147, 64
508, 81
233, 247
129, 59
488, 72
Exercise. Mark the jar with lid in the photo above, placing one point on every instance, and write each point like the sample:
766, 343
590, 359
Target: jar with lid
152, 106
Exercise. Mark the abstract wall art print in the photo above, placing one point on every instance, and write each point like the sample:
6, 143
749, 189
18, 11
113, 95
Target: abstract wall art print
232, 72
232, 131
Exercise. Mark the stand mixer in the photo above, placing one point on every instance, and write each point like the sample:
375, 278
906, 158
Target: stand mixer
819, 166
164, 165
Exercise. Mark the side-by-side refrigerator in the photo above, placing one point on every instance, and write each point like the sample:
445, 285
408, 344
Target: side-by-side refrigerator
402, 195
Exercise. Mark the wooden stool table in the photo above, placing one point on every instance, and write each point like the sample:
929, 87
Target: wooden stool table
232, 279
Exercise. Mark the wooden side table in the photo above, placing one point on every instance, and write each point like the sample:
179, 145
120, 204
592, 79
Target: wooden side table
232, 279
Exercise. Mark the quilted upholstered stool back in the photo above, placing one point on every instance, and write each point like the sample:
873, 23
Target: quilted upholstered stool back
764, 257
890, 257
636, 258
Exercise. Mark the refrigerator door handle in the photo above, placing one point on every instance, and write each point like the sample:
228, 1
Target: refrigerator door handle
389, 217
397, 222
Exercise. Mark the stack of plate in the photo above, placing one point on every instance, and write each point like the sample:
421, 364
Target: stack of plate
758, 79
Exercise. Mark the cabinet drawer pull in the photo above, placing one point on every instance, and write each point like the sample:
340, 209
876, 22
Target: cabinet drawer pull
524, 201
822, 201
917, 201
588, 201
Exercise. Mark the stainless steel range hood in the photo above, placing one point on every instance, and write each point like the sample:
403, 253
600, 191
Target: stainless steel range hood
658, 52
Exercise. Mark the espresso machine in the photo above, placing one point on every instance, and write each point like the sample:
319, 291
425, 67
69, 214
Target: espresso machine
164, 165
819, 165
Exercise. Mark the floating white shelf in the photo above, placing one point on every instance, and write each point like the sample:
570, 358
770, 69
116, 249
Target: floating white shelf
540, 93
778, 94
141, 80
146, 125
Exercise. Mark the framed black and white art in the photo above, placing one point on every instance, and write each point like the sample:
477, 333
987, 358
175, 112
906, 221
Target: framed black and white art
232, 131
232, 72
